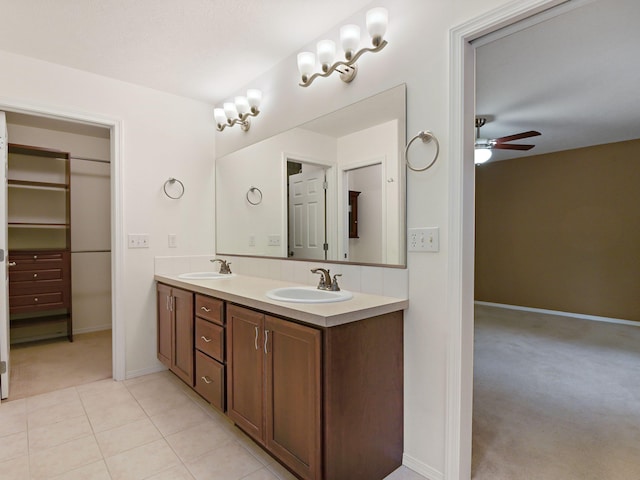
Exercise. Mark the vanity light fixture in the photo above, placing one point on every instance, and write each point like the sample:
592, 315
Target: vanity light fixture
238, 111
377, 21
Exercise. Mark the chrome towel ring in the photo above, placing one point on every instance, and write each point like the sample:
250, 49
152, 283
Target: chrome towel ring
176, 187
256, 193
426, 136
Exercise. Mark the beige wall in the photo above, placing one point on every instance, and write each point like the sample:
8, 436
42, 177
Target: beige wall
562, 231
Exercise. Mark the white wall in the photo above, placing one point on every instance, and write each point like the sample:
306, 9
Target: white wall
418, 55
162, 136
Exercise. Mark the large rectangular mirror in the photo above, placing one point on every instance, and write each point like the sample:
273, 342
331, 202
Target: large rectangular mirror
332, 189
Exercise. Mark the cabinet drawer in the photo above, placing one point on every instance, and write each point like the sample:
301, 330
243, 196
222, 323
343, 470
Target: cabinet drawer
209, 308
43, 301
210, 339
210, 380
36, 260
35, 275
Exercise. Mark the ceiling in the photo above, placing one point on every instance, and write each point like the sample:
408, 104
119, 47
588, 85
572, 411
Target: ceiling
202, 49
573, 77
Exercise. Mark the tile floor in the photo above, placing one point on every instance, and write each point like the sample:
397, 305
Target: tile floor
151, 427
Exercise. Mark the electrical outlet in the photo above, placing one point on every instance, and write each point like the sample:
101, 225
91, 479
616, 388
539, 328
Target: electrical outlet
273, 240
173, 240
138, 240
426, 239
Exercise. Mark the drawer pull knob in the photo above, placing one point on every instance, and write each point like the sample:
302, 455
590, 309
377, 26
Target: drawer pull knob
205, 339
35, 275
206, 380
205, 309
12, 264
35, 257
35, 299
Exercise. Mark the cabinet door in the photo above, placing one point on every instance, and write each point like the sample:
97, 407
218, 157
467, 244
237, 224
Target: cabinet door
293, 389
182, 355
245, 372
164, 324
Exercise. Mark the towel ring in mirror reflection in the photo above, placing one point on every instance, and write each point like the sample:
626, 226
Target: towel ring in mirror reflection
426, 136
256, 193
173, 188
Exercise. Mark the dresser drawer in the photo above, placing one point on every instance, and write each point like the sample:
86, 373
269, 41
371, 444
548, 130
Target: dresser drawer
209, 308
35, 275
35, 302
210, 339
210, 380
37, 260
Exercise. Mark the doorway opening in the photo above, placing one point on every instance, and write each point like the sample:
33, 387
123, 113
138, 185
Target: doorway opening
47, 356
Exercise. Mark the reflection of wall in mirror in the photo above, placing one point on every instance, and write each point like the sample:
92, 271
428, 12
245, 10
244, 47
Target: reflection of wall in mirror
243, 228
378, 145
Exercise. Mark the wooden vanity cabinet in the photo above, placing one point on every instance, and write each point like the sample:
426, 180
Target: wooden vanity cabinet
274, 386
175, 331
210, 350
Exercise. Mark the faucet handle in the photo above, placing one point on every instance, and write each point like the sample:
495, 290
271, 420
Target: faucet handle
334, 285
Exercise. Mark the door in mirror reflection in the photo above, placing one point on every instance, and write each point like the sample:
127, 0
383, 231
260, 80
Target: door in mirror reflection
365, 235
306, 195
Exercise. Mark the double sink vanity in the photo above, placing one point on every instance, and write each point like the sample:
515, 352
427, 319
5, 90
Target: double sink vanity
315, 377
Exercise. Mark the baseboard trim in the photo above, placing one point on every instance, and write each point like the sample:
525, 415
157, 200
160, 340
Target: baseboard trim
422, 468
594, 318
144, 371
99, 328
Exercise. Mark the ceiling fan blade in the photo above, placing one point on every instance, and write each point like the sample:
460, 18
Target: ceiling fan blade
511, 146
517, 136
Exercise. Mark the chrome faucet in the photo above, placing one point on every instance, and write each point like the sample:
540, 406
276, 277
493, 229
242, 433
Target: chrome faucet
325, 282
224, 265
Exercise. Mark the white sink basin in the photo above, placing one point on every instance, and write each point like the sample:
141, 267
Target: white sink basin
308, 295
204, 275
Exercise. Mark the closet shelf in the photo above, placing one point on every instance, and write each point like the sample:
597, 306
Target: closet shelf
38, 185
37, 225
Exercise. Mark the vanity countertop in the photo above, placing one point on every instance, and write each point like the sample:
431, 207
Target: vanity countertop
251, 292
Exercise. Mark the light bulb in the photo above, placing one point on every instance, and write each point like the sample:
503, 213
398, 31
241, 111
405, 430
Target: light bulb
230, 110
220, 116
377, 21
326, 53
306, 64
254, 97
481, 155
349, 39
242, 105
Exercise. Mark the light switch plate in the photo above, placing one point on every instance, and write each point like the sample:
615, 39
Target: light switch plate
138, 240
425, 239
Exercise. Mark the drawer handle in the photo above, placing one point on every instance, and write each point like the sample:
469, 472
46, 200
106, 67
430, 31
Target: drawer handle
12, 264
205, 309
35, 299
35, 275
35, 257
206, 380
205, 339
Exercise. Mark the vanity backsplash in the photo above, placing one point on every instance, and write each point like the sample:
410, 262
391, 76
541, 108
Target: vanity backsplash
390, 282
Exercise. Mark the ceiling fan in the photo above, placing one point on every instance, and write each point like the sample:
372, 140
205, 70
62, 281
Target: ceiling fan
483, 146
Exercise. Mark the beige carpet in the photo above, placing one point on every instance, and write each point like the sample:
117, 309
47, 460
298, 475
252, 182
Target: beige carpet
555, 398
49, 365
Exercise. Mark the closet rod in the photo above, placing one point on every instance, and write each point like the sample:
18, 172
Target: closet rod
91, 251
90, 159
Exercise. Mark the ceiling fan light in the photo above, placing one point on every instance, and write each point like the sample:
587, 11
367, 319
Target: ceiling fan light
481, 155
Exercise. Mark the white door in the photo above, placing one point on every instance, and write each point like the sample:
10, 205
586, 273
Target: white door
4, 271
307, 213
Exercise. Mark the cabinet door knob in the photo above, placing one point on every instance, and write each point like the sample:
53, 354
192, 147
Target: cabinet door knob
206, 380
12, 264
205, 309
35, 299
35, 257
205, 339
35, 275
